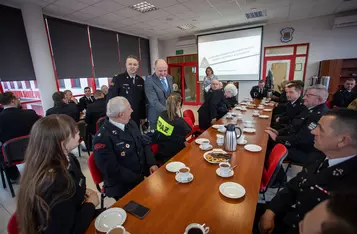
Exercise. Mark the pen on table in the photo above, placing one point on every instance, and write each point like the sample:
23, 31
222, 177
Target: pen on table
322, 190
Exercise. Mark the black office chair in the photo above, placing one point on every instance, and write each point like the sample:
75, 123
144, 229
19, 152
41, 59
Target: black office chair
100, 122
13, 152
82, 127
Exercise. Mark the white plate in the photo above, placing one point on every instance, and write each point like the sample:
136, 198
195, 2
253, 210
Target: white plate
218, 172
232, 190
249, 130
243, 143
222, 130
216, 126
110, 218
255, 114
267, 110
229, 117
213, 151
252, 148
264, 116
179, 178
260, 107
174, 166
200, 140
209, 148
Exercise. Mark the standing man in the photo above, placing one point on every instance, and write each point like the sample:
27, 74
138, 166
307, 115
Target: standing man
104, 89
157, 88
86, 99
130, 86
259, 91
346, 95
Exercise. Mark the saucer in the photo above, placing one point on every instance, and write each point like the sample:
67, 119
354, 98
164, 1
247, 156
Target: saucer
249, 130
110, 218
267, 110
200, 140
209, 148
229, 117
264, 116
174, 166
217, 126
243, 143
179, 178
232, 190
222, 130
253, 148
218, 172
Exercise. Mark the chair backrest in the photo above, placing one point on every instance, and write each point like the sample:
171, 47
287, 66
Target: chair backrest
328, 104
94, 171
188, 121
82, 127
100, 122
189, 113
274, 163
12, 227
14, 150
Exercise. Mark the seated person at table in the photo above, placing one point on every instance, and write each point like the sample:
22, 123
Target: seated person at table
171, 130
293, 108
353, 105
231, 92
95, 111
336, 136
297, 136
104, 89
121, 153
346, 95
62, 107
86, 99
14, 122
69, 97
213, 108
53, 197
280, 97
336, 215
259, 91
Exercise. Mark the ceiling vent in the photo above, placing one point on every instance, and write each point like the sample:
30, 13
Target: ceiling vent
345, 21
186, 27
256, 14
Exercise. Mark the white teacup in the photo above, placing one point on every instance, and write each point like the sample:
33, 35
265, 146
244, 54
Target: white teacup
117, 230
220, 139
229, 115
205, 145
184, 172
224, 168
195, 227
222, 128
255, 112
241, 139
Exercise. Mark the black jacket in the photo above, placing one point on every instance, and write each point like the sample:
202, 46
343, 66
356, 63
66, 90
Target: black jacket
95, 111
70, 216
302, 192
70, 109
15, 122
84, 101
298, 133
170, 135
213, 107
255, 94
231, 102
343, 98
291, 111
123, 157
122, 85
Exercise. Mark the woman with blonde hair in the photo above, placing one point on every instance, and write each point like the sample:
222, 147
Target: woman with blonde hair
53, 197
171, 130
230, 93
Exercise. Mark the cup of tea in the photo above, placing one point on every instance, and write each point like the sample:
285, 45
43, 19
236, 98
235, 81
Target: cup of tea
241, 139
229, 115
117, 230
184, 172
220, 139
205, 145
255, 112
196, 228
225, 167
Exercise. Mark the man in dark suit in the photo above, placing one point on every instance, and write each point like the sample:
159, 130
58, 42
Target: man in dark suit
62, 107
69, 97
95, 111
121, 153
346, 95
131, 86
336, 136
86, 99
293, 108
14, 122
157, 88
259, 91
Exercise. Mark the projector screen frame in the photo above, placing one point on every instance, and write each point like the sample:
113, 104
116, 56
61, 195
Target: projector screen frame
233, 30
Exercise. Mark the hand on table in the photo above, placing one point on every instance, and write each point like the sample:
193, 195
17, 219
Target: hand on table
267, 223
153, 169
273, 130
92, 197
272, 133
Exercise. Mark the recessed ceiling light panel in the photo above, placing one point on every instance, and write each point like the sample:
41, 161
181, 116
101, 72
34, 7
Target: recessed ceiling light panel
144, 7
186, 27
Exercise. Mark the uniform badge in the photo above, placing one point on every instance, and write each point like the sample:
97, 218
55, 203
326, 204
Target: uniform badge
122, 154
112, 84
127, 146
287, 143
312, 126
337, 172
99, 146
286, 34
115, 132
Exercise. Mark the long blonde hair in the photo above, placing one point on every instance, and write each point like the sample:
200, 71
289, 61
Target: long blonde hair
171, 105
45, 160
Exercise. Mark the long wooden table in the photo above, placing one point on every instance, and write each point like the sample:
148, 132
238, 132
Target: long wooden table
173, 206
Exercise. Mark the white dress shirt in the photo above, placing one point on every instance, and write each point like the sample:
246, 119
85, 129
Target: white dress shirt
335, 161
118, 125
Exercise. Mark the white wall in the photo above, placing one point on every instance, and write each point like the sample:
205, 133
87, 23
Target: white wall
170, 48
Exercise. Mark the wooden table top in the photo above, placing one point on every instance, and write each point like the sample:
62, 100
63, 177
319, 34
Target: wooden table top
174, 206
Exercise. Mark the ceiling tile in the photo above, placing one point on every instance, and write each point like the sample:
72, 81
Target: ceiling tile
80, 16
156, 22
279, 12
175, 9
127, 2
128, 12
186, 14
142, 26
143, 18
128, 21
299, 11
109, 5
158, 14
57, 10
94, 11
162, 3
89, 2
199, 6
116, 24
71, 4
113, 17
49, 1
99, 21
324, 7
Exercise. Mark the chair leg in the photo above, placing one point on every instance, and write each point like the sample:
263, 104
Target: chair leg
10, 185
2, 171
102, 200
79, 150
264, 197
85, 143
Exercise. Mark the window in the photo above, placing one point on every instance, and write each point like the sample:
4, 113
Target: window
12, 85
76, 83
97, 83
27, 85
62, 84
19, 84
35, 84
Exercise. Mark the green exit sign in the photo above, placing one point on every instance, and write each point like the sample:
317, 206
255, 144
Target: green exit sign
179, 52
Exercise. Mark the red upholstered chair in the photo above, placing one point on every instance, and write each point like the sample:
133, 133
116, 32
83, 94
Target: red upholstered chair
189, 114
191, 134
274, 163
82, 127
97, 178
12, 227
328, 104
154, 148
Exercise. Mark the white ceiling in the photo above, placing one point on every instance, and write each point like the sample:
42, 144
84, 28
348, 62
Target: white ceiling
204, 14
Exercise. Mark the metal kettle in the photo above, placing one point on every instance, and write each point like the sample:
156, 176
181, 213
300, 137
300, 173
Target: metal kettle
230, 138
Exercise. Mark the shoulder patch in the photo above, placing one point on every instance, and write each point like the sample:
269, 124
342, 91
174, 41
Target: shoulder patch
99, 146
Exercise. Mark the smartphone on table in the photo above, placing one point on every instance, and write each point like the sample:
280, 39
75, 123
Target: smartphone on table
136, 209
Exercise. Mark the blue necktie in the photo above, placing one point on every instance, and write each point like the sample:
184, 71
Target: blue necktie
164, 84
